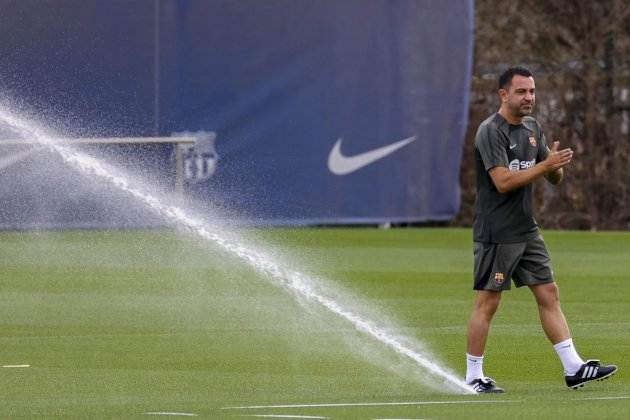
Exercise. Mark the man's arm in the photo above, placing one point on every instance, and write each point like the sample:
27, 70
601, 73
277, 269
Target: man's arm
506, 180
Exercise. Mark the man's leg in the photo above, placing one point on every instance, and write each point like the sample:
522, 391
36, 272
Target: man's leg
535, 271
555, 325
486, 304
551, 317
577, 372
494, 264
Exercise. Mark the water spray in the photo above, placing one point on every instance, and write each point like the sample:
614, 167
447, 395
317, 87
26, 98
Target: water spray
290, 280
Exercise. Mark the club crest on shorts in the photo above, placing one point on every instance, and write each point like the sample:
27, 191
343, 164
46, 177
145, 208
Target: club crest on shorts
499, 277
532, 141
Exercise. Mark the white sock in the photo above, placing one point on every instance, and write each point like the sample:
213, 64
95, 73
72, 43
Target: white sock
474, 367
571, 360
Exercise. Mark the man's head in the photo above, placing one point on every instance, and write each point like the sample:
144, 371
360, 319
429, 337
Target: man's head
517, 92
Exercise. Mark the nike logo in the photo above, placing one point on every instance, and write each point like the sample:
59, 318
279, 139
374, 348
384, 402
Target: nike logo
512, 146
339, 164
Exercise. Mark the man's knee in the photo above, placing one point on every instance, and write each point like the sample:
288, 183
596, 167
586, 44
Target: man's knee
547, 295
487, 302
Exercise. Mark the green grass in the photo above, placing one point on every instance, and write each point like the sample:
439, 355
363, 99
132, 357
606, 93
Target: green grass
120, 323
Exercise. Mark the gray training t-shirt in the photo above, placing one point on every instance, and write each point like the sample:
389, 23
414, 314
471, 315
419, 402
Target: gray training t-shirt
506, 217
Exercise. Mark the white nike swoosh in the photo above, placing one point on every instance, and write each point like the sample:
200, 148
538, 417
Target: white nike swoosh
512, 146
339, 164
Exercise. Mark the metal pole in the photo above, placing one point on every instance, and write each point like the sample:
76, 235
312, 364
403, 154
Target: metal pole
179, 170
156, 68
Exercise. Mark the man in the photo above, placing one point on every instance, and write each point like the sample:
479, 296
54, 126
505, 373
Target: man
511, 153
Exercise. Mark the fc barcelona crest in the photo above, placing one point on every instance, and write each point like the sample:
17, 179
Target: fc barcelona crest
200, 160
499, 277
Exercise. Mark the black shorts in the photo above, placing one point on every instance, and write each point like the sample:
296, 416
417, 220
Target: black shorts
528, 263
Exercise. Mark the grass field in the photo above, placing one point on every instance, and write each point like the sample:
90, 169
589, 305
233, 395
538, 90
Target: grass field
119, 324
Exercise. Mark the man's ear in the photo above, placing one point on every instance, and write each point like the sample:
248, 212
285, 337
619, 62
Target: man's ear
503, 94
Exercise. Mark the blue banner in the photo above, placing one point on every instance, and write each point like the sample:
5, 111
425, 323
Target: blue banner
306, 112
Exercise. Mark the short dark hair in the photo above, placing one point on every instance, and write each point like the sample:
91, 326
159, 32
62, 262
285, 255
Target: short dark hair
506, 78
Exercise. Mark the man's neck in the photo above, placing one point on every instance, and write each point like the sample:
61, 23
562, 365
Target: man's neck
514, 120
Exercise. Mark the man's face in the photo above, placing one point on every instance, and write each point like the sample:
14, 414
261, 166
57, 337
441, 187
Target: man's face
520, 96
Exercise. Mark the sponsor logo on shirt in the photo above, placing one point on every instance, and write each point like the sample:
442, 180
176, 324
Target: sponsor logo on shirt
517, 165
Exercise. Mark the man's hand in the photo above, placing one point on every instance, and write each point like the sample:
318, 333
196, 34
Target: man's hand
557, 158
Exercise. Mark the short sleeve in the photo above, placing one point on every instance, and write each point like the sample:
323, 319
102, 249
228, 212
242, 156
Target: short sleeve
491, 147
